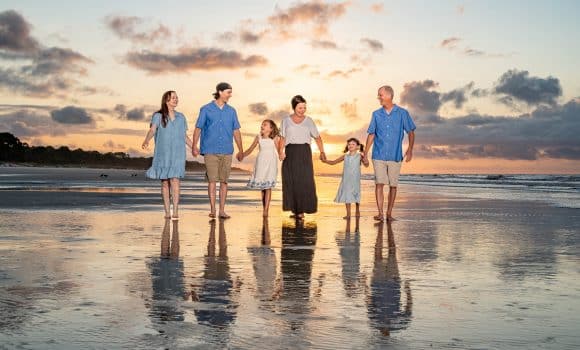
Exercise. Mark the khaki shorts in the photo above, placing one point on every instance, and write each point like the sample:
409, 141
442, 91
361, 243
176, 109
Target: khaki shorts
218, 167
387, 172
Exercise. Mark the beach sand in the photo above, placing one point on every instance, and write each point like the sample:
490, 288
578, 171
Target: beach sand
89, 262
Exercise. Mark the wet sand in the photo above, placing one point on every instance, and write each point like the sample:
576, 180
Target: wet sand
451, 272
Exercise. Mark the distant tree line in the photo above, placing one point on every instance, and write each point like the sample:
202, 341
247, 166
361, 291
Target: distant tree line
12, 150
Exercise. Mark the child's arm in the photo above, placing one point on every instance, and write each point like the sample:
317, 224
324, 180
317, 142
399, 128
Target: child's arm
149, 135
364, 160
251, 148
279, 147
336, 161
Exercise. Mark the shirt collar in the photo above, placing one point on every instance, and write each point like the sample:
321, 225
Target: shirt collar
395, 107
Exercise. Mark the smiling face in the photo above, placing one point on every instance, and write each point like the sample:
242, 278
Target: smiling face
225, 95
352, 146
300, 109
384, 97
265, 129
172, 101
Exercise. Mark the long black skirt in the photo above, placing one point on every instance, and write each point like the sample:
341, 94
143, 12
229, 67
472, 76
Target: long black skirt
298, 187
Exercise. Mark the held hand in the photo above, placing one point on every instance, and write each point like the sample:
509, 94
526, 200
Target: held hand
145, 145
282, 156
240, 156
408, 156
323, 156
194, 151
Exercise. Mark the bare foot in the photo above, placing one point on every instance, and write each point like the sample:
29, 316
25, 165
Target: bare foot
212, 214
379, 217
346, 217
390, 218
223, 215
265, 214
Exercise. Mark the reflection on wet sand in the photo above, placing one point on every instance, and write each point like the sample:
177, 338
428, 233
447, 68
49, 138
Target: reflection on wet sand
264, 265
217, 307
349, 250
298, 243
385, 310
167, 277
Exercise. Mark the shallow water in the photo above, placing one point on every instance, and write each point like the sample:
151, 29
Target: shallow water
452, 272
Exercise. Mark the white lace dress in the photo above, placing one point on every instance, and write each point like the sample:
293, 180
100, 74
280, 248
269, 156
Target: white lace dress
266, 167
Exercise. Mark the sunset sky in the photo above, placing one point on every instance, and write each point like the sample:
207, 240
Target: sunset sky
493, 86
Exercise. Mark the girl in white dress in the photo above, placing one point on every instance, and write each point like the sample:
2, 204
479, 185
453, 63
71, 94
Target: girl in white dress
349, 189
266, 167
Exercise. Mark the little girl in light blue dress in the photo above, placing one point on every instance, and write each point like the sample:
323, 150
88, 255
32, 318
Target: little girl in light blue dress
349, 189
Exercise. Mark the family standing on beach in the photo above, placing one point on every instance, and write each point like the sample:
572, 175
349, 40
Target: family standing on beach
218, 126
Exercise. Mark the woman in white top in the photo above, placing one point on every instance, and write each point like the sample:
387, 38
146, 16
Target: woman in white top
298, 187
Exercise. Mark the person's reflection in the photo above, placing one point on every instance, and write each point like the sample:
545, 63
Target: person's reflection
167, 277
264, 264
217, 307
385, 309
298, 241
349, 249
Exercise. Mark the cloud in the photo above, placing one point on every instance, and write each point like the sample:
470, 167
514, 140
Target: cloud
518, 86
314, 16
136, 29
450, 43
457, 96
191, 59
349, 110
110, 144
373, 44
26, 123
135, 114
71, 115
248, 37
343, 74
278, 115
323, 44
378, 7
259, 108
420, 97
453, 44
15, 33
38, 71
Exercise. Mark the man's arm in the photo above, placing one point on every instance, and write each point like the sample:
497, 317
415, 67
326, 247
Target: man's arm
194, 148
409, 153
370, 140
238, 139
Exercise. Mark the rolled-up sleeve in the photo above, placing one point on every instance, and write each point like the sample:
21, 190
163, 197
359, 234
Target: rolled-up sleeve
408, 124
373, 125
201, 119
283, 128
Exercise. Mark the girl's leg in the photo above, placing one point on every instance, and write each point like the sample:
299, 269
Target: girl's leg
175, 191
347, 205
357, 212
267, 198
165, 196
263, 192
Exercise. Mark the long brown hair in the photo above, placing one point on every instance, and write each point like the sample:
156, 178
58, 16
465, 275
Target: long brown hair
164, 111
275, 131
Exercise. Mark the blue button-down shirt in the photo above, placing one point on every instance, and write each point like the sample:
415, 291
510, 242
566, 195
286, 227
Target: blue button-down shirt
217, 128
389, 131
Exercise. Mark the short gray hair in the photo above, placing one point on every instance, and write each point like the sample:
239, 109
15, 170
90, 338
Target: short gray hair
388, 89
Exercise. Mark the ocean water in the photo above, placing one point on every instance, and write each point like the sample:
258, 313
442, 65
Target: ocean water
87, 261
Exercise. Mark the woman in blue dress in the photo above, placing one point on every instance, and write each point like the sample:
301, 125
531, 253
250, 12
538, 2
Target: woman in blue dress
170, 130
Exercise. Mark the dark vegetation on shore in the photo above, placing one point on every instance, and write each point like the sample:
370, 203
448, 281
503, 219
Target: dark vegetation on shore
12, 150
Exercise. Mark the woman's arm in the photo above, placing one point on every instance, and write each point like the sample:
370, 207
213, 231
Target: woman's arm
251, 148
188, 141
320, 145
194, 148
336, 161
149, 135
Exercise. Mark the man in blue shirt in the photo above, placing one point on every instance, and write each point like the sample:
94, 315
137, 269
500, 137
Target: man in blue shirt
385, 133
217, 124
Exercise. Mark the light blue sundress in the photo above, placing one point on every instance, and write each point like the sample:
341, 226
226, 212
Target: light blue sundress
349, 189
170, 148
